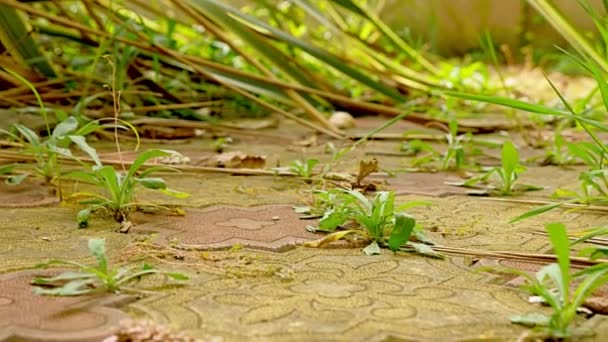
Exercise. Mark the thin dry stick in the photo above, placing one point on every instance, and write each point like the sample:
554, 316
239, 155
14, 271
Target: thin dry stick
37, 85
516, 255
145, 109
14, 156
116, 106
92, 14
565, 205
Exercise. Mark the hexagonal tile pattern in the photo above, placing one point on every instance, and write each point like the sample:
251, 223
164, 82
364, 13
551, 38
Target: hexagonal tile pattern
271, 227
25, 316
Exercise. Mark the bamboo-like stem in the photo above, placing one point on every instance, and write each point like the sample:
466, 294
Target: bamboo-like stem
254, 98
561, 25
341, 99
216, 31
177, 56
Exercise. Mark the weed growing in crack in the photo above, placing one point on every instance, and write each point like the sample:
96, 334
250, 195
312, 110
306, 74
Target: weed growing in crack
454, 157
506, 174
93, 279
119, 187
304, 168
564, 292
378, 221
47, 151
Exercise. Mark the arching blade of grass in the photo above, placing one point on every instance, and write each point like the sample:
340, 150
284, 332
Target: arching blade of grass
321, 54
575, 38
525, 106
17, 39
263, 48
537, 211
389, 33
592, 134
412, 78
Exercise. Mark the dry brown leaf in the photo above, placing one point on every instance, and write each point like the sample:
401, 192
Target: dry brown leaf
366, 168
328, 239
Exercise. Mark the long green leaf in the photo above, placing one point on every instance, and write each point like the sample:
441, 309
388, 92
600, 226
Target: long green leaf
575, 38
561, 248
404, 225
321, 54
525, 106
97, 247
144, 157
537, 211
16, 37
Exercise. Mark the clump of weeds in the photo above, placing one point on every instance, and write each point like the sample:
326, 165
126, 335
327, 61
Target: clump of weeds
94, 279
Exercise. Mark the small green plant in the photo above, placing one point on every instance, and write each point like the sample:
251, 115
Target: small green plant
554, 283
220, 144
120, 187
383, 224
507, 174
303, 169
454, 157
47, 151
93, 279
415, 147
558, 153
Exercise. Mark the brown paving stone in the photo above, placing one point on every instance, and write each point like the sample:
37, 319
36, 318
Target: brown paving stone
26, 195
427, 184
271, 227
25, 316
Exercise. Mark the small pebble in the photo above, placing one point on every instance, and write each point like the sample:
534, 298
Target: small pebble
275, 218
342, 120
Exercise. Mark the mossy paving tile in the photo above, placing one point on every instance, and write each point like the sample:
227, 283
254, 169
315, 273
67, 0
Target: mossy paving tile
480, 223
340, 295
29, 236
211, 189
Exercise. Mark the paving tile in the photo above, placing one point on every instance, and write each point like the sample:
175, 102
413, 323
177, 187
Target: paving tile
428, 184
271, 227
341, 295
25, 316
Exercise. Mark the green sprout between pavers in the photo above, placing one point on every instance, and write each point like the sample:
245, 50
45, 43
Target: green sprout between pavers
119, 187
564, 291
379, 221
92, 279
